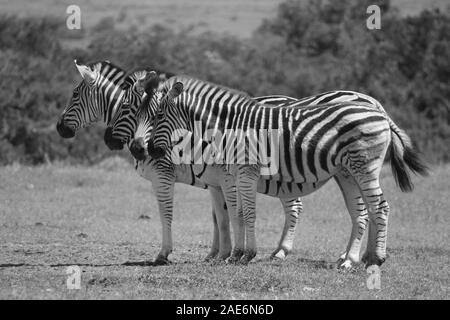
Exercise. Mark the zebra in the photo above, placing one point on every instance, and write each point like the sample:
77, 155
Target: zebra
353, 200
104, 91
350, 139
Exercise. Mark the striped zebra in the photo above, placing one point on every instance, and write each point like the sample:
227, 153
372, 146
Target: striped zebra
211, 175
348, 139
104, 91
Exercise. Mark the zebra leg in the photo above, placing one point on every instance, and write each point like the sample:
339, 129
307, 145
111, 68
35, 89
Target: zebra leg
239, 234
292, 209
247, 179
215, 244
366, 173
358, 214
235, 213
164, 189
378, 218
223, 223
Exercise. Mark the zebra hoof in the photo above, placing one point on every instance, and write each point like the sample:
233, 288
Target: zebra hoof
223, 256
375, 261
247, 257
211, 256
342, 257
235, 256
371, 259
161, 261
340, 261
279, 254
346, 265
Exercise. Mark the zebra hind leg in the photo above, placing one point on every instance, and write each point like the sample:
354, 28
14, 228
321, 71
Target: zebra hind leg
378, 222
358, 214
378, 218
367, 178
292, 209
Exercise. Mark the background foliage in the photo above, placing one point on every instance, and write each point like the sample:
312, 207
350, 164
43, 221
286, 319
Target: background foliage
305, 49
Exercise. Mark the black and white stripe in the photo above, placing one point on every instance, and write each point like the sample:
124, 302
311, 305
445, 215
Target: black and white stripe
348, 139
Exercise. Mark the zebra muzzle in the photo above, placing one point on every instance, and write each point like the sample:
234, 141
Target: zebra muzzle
137, 149
154, 151
63, 130
111, 142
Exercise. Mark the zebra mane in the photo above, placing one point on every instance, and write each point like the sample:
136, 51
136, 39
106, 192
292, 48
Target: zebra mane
102, 64
185, 79
132, 75
108, 70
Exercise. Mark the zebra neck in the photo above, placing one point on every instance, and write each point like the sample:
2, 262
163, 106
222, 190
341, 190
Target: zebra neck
113, 102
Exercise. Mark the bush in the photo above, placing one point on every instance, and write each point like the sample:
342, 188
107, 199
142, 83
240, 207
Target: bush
306, 49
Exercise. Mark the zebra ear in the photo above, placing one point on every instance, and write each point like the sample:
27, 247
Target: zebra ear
148, 82
86, 72
176, 90
151, 82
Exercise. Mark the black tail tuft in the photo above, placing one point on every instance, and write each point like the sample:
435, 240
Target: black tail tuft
400, 160
399, 171
412, 159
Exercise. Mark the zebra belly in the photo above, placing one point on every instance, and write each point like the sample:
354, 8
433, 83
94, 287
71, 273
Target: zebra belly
183, 173
218, 176
287, 189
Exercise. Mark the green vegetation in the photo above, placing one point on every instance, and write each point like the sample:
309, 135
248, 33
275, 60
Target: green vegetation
55, 215
305, 49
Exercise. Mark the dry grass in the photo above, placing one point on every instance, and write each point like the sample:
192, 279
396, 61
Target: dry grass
54, 216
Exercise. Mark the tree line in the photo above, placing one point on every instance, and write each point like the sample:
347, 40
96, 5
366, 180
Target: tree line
305, 49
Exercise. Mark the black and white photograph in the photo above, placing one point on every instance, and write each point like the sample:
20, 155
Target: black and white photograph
236, 151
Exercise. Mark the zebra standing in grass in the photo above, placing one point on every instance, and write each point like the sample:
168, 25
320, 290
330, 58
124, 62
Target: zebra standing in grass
122, 130
349, 139
104, 91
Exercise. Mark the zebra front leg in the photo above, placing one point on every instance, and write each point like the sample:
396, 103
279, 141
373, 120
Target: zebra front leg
215, 244
239, 234
247, 179
230, 193
223, 222
292, 209
164, 195
358, 214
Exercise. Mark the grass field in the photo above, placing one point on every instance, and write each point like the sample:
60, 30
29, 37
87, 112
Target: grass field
238, 17
54, 216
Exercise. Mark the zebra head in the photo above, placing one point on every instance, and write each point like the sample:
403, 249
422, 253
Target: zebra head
122, 126
145, 115
96, 96
161, 136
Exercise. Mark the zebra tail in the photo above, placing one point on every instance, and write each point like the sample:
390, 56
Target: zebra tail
403, 155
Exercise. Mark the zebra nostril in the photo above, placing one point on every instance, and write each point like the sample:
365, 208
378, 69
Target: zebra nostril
155, 152
112, 142
63, 130
137, 149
